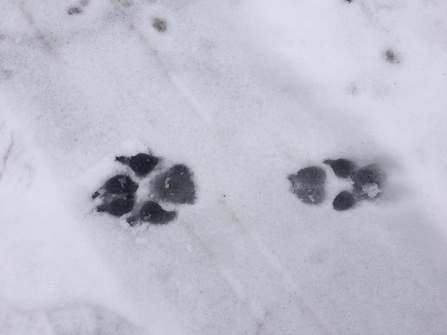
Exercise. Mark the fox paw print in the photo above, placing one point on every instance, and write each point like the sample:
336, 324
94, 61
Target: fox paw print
167, 188
366, 183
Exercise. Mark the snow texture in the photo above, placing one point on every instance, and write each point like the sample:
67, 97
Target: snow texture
244, 94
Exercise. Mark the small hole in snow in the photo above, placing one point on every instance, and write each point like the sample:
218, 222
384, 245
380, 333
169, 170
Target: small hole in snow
160, 25
391, 57
74, 11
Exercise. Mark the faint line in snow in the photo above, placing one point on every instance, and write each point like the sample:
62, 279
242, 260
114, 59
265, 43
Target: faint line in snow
277, 266
7, 156
40, 36
238, 288
184, 91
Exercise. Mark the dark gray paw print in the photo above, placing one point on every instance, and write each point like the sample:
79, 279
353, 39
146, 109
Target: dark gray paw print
117, 195
170, 187
367, 183
176, 185
308, 185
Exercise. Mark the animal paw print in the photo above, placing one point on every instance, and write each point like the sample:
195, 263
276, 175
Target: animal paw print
172, 187
367, 183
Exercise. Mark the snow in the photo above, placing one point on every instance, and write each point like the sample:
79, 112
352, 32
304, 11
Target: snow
244, 93
372, 190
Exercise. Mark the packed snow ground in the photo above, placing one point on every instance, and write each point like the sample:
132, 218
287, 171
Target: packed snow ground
244, 93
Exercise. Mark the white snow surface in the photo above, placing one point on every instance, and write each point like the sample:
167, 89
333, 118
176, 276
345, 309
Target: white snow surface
244, 93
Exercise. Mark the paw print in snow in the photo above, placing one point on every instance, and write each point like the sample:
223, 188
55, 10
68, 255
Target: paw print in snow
308, 185
153, 213
343, 201
343, 168
141, 164
118, 195
176, 185
367, 183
